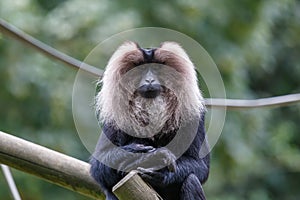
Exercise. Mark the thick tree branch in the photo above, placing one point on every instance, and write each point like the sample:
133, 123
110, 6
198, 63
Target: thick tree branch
47, 164
132, 187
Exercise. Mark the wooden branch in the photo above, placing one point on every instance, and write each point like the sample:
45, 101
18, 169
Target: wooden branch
132, 187
47, 164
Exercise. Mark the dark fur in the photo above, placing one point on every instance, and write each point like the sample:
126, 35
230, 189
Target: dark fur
185, 183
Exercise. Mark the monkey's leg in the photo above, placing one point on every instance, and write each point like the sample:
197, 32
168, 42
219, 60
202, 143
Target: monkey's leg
192, 189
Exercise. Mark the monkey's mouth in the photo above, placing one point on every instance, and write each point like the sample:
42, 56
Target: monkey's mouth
150, 91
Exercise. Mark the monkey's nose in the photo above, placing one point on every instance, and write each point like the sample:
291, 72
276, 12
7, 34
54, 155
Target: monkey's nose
148, 54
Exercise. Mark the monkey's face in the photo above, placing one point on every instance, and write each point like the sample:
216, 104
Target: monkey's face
149, 90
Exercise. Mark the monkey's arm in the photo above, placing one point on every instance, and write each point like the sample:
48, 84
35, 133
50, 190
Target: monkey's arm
115, 155
109, 158
123, 152
189, 163
196, 159
110, 162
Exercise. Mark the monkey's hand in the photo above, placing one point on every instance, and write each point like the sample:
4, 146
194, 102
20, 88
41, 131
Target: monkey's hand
153, 160
163, 166
157, 175
163, 157
153, 177
138, 148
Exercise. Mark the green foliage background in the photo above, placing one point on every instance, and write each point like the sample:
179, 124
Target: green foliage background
255, 44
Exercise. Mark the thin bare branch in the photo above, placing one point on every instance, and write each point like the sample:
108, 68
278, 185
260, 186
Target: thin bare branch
11, 183
255, 103
12, 31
